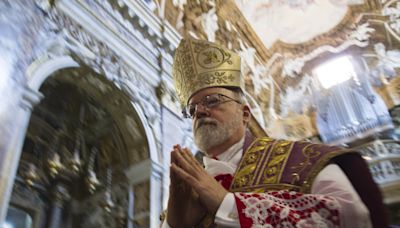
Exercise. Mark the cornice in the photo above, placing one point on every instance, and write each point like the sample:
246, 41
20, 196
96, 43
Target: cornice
161, 33
129, 28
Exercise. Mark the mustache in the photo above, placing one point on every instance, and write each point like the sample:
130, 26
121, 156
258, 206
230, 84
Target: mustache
206, 121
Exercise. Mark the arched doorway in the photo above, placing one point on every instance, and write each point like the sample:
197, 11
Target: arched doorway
81, 139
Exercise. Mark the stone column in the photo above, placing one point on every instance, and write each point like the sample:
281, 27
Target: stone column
12, 142
155, 194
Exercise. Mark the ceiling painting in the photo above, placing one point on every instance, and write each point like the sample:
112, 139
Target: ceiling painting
293, 21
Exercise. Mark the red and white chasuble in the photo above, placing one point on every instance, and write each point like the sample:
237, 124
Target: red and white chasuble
332, 202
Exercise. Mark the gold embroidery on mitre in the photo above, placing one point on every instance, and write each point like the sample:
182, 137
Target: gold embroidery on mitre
201, 64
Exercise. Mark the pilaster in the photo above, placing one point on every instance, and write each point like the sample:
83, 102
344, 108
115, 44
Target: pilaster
9, 163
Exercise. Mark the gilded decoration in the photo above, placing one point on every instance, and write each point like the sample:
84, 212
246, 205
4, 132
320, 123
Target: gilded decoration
277, 159
265, 77
333, 37
309, 152
270, 164
390, 93
200, 64
247, 167
263, 163
295, 127
319, 164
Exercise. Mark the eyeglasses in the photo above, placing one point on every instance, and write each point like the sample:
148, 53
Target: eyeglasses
209, 101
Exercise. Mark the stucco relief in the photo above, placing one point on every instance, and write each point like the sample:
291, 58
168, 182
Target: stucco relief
86, 49
106, 62
297, 99
359, 36
387, 63
209, 22
392, 10
285, 20
18, 31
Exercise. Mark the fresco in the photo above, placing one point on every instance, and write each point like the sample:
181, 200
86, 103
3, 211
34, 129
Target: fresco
293, 21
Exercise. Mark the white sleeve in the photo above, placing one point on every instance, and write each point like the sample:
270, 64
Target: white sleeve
332, 182
227, 215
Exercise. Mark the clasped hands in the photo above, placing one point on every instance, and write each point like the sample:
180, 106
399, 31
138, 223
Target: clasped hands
193, 192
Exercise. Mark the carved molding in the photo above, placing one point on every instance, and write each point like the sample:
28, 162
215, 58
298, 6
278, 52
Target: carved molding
30, 98
391, 9
383, 157
103, 60
266, 70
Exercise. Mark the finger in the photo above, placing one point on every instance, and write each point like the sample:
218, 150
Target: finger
191, 159
174, 149
172, 158
174, 179
177, 147
186, 177
174, 153
186, 165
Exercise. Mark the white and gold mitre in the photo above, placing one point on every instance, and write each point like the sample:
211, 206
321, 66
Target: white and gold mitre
201, 64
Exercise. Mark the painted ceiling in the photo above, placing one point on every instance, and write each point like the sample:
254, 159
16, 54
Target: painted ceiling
293, 21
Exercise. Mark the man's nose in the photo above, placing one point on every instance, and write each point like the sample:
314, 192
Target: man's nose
201, 111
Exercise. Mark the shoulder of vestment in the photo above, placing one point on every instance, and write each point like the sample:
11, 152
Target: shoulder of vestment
272, 164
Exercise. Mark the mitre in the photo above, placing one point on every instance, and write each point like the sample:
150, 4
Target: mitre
200, 64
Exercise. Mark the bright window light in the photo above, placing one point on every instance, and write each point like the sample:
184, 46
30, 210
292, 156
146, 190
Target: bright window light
7, 225
335, 71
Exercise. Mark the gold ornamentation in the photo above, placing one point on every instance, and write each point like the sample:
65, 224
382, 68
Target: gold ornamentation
75, 163
92, 181
309, 152
263, 164
278, 157
55, 165
31, 176
320, 164
247, 169
107, 204
201, 64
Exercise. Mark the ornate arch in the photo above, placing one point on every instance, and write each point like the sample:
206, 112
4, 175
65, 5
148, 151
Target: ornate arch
45, 67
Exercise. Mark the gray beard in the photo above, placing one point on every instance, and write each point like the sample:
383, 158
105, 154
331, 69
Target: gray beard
211, 133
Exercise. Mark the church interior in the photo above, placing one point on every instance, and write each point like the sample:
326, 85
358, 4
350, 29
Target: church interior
89, 115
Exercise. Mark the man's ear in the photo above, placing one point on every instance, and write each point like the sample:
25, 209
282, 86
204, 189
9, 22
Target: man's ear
246, 114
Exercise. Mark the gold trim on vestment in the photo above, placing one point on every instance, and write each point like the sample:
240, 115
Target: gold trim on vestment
322, 162
248, 163
275, 154
265, 160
